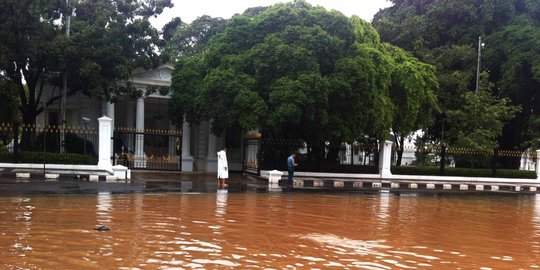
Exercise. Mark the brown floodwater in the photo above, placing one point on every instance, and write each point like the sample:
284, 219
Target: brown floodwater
269, 231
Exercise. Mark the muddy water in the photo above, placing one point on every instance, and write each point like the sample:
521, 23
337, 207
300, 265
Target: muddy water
269, 231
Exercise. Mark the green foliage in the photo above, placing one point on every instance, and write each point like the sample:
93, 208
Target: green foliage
514, 64
365, 33
360, 102
467, 172
445, 34
48, 158
108, 39
188, 76
490, 113
8, 101
190, 39
297, 71
412, 92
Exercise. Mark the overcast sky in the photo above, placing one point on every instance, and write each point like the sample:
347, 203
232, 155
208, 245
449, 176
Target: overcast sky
189, 10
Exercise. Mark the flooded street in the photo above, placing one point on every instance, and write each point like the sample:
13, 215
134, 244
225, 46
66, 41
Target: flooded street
251, 230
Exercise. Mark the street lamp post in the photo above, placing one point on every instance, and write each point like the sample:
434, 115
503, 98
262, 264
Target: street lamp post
480, 47
64, 86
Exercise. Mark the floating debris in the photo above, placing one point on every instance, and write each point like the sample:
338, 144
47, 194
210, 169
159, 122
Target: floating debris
101, 228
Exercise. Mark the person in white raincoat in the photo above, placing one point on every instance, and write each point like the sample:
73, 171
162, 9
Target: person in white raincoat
222, 168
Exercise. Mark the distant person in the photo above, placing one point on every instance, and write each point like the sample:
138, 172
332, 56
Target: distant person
291, 163
223, 170
118, 145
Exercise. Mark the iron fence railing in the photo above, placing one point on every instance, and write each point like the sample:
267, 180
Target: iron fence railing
430, 160
150, 149
23, 143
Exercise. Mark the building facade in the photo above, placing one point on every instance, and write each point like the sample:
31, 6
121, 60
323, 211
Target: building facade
142, 131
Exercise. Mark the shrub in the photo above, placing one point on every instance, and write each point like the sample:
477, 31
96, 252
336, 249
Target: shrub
48, 158
470, 172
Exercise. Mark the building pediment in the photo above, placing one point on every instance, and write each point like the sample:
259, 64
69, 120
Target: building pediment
160, 76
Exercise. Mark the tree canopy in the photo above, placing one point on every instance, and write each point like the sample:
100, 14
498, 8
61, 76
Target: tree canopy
297, 71
108, 39
182, 39
445, 33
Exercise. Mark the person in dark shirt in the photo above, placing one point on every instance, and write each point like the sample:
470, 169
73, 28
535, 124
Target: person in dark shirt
291, 163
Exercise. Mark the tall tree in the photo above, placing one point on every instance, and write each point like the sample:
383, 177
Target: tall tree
445, 34
413, 94
108, 40
296, 71
513, 59
482, 131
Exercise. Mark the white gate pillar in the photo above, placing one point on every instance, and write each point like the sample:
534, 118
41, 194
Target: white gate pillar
105, 145
385, 154
187, 158
140, 157
109, 112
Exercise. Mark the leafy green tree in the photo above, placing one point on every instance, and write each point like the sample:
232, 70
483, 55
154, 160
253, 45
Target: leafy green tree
188, 76
301, 72
108, 39
445, 33
30, 46
513, 59
482, 131
413, 94
187, 45
190, 39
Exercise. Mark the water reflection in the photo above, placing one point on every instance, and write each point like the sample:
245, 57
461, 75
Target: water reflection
23, 216
536, 216
103, 208
536, 224
221, 202
383, 207
221, 210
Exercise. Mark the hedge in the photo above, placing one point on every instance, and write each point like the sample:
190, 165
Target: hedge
470, 172
48, 158
413, 170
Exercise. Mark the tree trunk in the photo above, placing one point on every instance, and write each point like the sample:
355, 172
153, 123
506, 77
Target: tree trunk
333, 153
28, 133
399, 141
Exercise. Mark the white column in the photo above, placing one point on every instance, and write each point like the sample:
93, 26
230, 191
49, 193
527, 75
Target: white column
130, 124
385, 154
538, 164
110, 111
140, 158
187, 158
105, 146
211, 155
